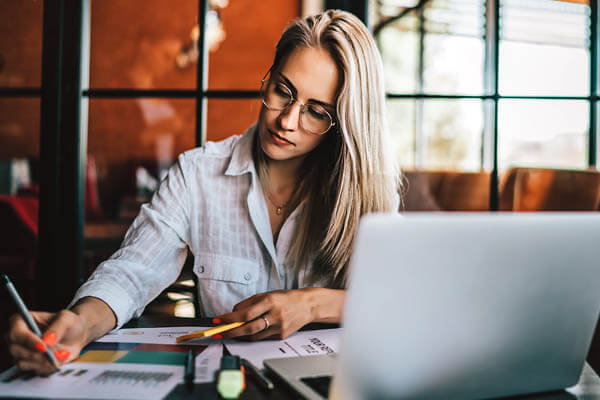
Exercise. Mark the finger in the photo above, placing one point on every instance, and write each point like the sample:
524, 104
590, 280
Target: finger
248, 329
272, 332
22, 353
251, 312
39, 369
20, 333
42, 318
235, 315
248, 302
58, 326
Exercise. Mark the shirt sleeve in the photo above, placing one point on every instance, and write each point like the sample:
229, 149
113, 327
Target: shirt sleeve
152, 253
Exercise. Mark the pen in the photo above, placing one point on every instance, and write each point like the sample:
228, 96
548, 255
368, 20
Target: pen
257, 374
190, 370
27, 316
208, 332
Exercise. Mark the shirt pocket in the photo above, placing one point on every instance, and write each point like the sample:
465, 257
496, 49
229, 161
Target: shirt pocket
224, 281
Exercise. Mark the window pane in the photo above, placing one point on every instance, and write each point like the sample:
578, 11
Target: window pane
399, 46
19, 128
21, 43
20, 138
401, 120
250, 31
452, 134
136, 44
544, 48
127, 134
542, 133
226, 117
454, 47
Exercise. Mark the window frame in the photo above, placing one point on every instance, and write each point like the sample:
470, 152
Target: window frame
63, 124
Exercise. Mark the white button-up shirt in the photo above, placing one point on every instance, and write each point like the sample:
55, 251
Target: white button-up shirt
211, 201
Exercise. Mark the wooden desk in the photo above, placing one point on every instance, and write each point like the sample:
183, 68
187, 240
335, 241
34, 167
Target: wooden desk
587, 388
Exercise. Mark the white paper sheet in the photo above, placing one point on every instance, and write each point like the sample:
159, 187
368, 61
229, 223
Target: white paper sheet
304, 343
106, 380
208, 363
155, 335
97, 381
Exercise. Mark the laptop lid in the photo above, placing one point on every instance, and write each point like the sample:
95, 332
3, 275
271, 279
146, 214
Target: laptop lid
469, 306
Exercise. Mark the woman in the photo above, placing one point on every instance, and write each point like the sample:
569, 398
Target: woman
270, 216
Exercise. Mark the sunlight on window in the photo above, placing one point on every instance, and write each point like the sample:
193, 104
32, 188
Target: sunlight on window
543, 51
401, 115
544, 48
542, 133
452, 131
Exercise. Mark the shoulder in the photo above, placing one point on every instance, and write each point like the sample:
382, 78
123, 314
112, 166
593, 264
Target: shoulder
212, 156
211, 151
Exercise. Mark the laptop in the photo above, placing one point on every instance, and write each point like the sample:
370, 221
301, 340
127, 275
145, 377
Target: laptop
461, 306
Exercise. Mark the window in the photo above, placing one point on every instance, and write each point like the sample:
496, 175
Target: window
20, 81
438, 55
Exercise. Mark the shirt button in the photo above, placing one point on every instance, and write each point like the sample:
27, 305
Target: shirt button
247, 276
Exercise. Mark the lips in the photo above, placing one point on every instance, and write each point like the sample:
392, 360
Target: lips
279, 139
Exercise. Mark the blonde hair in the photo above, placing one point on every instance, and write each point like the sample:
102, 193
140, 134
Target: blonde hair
351, 172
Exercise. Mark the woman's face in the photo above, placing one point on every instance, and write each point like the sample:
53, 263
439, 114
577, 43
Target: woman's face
312, 77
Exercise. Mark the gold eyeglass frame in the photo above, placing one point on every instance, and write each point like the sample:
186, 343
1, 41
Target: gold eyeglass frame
293, 100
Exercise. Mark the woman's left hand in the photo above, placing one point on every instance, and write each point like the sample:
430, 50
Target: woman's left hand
273, 314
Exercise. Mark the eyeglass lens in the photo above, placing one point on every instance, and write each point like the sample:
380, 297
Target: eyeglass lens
313, 117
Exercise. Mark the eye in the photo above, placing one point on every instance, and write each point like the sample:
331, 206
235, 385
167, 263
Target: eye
282, 90
317, 112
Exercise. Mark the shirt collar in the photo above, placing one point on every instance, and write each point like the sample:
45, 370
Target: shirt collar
241, 157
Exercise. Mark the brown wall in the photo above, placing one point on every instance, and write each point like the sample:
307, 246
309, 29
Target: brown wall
134, 45
20, 66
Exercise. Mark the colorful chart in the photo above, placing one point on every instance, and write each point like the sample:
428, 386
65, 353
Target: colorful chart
137, 353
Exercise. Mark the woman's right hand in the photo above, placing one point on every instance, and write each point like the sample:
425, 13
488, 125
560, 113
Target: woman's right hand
65, 333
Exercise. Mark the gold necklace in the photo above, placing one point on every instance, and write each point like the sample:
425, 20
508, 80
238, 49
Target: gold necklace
278, 208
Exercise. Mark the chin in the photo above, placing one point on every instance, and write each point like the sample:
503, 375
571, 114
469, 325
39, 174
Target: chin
271, 150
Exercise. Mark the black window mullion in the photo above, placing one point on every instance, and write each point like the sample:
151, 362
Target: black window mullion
593, 128
201, 74
60, 268
20, 92
492, 52
170, 93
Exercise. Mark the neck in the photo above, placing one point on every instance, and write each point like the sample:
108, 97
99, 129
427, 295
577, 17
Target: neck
283, 175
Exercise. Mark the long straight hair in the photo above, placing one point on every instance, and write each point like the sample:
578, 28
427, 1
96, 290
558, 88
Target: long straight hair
351, 172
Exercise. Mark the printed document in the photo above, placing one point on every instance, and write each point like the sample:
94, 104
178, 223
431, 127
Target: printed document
303, 343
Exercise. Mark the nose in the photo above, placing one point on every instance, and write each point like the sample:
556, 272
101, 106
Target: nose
290, 117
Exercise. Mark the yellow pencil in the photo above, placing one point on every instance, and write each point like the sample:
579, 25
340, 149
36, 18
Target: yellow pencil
208, 332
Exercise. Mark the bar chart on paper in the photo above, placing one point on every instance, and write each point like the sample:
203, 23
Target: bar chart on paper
94, 381
108, 370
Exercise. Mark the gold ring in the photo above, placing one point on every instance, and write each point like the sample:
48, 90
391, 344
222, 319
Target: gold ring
267, 324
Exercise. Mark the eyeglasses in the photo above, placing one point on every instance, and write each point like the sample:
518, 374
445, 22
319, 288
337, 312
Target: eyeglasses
314, 118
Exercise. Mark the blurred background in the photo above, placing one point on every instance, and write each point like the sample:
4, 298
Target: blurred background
492, 105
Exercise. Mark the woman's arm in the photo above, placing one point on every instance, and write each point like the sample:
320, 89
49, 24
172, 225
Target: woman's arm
281, 313
97, 317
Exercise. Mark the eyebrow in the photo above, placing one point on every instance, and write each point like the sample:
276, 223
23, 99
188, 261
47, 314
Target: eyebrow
295, 92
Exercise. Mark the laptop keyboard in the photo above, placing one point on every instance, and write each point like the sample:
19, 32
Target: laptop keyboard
319, 384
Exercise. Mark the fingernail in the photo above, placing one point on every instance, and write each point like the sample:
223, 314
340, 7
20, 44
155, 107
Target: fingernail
39, 346
217, 336
216, 320
62, 355
49, 338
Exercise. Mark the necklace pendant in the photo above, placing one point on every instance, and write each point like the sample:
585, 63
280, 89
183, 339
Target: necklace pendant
278, 210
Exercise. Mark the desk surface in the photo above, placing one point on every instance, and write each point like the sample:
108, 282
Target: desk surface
208, 390
587, 388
